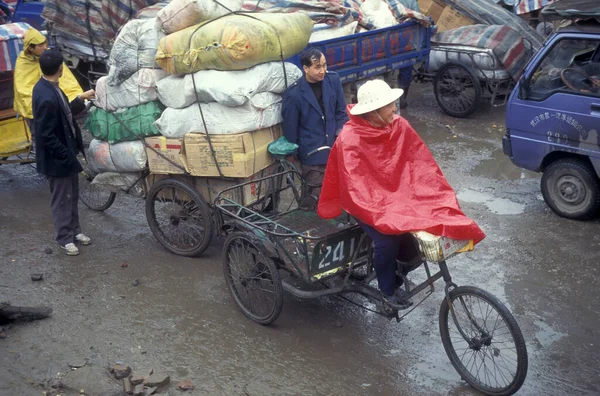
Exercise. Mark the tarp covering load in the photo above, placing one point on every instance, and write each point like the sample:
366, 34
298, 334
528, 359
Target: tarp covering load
332, 12
180, 14
134, 49
527, 6
151, 11
90, 25
323, 31
132, 123
569, 9
234, 42
335, 13
229, 88
417, 198
138, 89
120, 157
11, 44
488, 13
262, 111
506, 44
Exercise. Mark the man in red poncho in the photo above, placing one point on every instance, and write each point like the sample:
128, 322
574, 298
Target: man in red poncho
381, 173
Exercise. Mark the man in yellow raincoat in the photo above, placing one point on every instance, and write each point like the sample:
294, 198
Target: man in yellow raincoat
28, 73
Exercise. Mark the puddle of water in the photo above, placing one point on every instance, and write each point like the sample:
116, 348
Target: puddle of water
499, 206
500, 167
546, 335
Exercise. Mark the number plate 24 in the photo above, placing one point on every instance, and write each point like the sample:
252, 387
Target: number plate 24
335, 252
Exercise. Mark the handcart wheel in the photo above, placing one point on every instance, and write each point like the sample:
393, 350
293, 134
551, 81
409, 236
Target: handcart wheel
252, 278
457, 90
483, 341
179, 217
91, 195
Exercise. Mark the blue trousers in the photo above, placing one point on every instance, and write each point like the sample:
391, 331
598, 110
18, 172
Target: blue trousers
405, 77
388, 249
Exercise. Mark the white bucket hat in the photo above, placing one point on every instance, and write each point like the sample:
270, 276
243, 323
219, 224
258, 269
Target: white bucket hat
373, 95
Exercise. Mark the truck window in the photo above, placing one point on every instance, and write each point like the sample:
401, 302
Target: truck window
569, 66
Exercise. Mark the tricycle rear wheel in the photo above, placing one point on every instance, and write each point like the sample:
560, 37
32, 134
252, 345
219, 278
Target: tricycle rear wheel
179, 217
457, 90
483, 341
253, 278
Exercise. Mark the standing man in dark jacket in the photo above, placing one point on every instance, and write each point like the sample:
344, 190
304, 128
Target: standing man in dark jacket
58, 139
314, 112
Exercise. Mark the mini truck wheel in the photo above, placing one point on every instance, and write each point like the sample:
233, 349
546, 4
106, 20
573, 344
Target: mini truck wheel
571, 189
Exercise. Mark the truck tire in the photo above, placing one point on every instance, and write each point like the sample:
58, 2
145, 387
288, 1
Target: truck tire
571, 189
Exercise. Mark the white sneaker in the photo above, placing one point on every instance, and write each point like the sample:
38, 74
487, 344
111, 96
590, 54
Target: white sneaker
83, 239
70, 249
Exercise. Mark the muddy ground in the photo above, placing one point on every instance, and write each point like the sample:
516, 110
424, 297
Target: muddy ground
181, 319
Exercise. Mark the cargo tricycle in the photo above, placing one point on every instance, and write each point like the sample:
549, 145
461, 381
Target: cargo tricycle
296, 251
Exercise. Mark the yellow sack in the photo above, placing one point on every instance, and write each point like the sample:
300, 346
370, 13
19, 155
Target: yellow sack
27, 74
234, 42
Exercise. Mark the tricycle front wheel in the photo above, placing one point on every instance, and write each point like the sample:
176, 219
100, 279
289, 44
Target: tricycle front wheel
483, 341
252, 278
92, 195
179, 217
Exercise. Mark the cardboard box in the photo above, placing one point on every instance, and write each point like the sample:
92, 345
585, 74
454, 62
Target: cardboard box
170, 150
452, 19
240, 155
210, 187
445, 16
431, 8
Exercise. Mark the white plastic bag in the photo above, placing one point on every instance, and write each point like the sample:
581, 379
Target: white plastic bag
180, 14
134, 49
137, 89
378, 13
229, 88
120, 182
322, 33
262, 111
118, 157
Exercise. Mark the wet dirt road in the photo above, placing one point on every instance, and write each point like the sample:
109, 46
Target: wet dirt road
181, 320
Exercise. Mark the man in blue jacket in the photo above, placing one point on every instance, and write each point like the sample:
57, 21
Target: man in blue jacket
314, 112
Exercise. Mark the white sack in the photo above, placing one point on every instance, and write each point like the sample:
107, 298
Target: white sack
322, 33
136, 90
118, 157
262, 111
134, 49
378, 13
229, 88
180, 14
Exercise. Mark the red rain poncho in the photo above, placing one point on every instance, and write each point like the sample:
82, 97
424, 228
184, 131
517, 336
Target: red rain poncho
387, 178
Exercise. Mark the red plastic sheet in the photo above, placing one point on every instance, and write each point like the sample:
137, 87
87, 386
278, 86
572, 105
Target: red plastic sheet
389, 180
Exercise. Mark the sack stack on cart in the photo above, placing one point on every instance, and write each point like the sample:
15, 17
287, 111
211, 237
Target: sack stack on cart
126, 106
222, 97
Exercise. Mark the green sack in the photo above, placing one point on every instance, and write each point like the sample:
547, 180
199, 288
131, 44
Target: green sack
282, 146
135, 122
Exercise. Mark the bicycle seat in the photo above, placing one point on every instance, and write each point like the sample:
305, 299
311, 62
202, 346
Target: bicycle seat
282, 147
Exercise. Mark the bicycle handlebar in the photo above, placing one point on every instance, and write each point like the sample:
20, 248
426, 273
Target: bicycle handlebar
322, 148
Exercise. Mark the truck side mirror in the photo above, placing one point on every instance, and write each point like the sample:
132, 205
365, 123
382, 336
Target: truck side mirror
523, 87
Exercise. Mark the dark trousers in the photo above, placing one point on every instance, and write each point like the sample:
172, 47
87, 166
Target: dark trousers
388, 249
65, 213
313, 175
